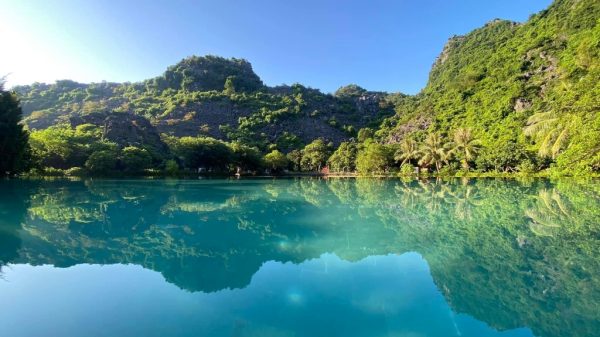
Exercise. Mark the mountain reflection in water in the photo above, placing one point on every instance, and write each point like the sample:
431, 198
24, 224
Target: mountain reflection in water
301, 257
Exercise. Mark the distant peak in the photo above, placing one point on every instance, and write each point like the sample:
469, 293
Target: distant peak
210, 72
350, 90
450, 45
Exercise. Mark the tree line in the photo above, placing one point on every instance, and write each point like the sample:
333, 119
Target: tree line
82, 150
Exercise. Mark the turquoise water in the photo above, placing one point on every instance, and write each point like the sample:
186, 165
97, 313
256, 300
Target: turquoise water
302, 257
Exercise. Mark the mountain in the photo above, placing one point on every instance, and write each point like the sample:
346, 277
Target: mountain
531, 87
529, 93
212, 96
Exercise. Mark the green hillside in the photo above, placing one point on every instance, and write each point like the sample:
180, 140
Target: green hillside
211, 96
528, 90
507, 97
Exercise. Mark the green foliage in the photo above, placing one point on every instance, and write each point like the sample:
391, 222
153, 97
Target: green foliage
434, 152
406, 170
102, 162
526, 167
134, 159
171, 167
465, 147
295, 159
343, 158
75, 172
407, 151
62, 147
276, 160
289, 141
504, 156
208, 73
201, 152
245, 157
315, 155
229, 87
13, 139
374, 158
583, 155
504, 94
364, 134
351, 90
531, 86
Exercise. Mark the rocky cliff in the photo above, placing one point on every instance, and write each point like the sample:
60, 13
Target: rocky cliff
211, 96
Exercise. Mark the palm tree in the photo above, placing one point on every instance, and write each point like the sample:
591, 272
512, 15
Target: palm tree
465, 145
550, 213
408, 150
433, 151
553, 131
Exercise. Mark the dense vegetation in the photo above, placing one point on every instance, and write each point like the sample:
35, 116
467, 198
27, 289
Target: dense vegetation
529, 92
506, 97
13, 139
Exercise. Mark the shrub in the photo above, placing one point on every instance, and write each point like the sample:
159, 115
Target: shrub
276, 160
75, 172
526, 167
406, 170
171, 167
103, 161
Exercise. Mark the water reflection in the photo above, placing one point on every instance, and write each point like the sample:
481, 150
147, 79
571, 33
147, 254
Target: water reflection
377, 296
13, 208
507, 253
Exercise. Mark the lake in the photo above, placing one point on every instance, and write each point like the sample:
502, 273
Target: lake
300, 257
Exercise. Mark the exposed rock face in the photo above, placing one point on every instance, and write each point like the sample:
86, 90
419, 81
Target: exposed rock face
522, 104
190, 99
313, 121
419, 123
369, 105
124, 129
202, 118
452, 43
307, 129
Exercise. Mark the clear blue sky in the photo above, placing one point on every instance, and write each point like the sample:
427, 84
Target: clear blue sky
380, 45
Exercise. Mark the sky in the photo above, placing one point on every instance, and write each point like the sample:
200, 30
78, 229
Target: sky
379, 45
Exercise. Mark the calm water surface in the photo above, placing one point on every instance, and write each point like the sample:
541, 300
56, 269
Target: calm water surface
302, 257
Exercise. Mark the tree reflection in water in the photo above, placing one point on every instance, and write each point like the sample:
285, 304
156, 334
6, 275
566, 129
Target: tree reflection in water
508, 253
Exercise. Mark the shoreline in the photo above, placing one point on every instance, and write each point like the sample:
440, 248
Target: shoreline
348, 175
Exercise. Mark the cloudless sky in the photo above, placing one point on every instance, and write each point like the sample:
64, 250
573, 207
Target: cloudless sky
380, 45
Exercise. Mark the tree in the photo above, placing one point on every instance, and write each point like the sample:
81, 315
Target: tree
276, 160
501, 155
373, 158
408, 151
465, 146
552, 130
344, 158
53, 147
196, 152
351, 90
245, 157
13, 138
134, 159
314, 155
364, 134
229, 88
103, 161
295, 158
433, 152
171, 167
63, 147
